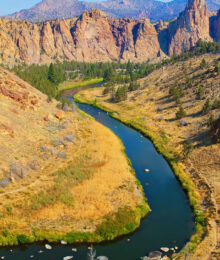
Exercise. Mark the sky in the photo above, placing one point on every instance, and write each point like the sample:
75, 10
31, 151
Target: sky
11, 6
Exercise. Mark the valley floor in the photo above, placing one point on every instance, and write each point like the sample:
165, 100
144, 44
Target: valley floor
62, 175
152, 110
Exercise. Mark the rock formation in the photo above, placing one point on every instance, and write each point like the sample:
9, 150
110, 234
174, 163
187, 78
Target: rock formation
91, 37
191, 26
94, 37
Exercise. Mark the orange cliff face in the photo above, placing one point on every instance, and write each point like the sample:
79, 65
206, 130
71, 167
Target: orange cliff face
95, 37
91, 37
191, 26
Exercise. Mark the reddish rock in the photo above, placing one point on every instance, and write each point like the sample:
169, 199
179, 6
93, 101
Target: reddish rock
14, 111
15, 96
34, 102
46, 118
59, 115
22, 85
4, 91
26, 95
23, 107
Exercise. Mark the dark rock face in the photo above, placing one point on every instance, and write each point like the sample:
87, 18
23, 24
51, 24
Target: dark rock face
53, 9
216, 27
215, 131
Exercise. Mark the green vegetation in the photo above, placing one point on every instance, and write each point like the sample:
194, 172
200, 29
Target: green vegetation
180, 113
177, 92
123, 222
161, 144
63, 180
84, 83
121, 94
207, 106
187, 148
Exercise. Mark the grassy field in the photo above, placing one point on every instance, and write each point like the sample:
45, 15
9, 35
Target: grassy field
152, 111
61, 189
65, 86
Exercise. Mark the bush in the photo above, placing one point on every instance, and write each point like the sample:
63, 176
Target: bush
199, 93
180, 113
203, 64
121, 94
133, 86
207, 106
187, 148
216, 104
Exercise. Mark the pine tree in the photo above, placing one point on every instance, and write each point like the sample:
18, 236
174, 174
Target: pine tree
207, 106
51, 74
180, 113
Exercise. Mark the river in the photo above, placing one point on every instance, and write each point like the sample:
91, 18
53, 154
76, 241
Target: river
170, 223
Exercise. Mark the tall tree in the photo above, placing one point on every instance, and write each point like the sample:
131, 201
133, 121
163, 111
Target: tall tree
52, 74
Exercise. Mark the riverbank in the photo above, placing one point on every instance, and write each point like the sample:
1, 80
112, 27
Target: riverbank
67, 175
67, 85
141, 112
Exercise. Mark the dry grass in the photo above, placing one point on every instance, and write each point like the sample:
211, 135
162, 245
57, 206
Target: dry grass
102, 181
142, 108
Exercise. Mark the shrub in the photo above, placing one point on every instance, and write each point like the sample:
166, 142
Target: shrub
199, 93
207, 106
216, 104
121, 94
180, 113
187, 148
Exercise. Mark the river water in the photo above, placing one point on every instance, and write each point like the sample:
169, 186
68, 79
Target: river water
169, 224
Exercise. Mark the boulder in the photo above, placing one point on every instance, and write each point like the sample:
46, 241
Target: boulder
5, 182
70, 138
59, 115
62, 155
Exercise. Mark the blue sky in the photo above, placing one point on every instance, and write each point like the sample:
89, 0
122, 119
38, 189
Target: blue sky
11, 6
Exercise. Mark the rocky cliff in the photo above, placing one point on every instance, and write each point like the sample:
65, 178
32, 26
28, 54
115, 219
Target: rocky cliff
191, 26
95, 37
91, 37
53, 9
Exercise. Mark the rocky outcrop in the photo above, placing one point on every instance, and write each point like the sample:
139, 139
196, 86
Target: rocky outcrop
191, 26
136, 9
91, 37
95, 37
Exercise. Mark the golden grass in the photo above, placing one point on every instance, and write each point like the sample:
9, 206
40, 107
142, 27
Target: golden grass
110, 186
141, 109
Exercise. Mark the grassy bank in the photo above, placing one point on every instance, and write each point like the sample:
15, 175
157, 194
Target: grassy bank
83, 84
161, 144
121, 223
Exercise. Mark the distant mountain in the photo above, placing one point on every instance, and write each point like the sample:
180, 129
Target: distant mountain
155, 10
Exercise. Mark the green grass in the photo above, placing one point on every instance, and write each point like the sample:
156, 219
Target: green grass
120, 223
83, 84
64, 179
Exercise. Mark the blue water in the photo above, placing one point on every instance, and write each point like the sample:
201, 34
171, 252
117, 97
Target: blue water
169, 224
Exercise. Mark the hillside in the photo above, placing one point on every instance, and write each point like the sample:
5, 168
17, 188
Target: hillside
94, 37
188, 137
53, 9
59, 170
